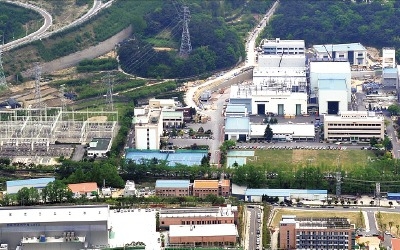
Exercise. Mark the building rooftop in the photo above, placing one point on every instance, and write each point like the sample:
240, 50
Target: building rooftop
202, 230
27, 182
43, 214
330, 67
237, 124
390, 71
395, 244
225, 183
286, 72
279, 41
83, 187
199, 212
235, 108
270, 88
354, 115
283, 192
205, 184
172, 183
332, 84
172, 114
99, 144
339, 47
297, 130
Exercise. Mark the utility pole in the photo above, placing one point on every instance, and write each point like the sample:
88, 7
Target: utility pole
186, 46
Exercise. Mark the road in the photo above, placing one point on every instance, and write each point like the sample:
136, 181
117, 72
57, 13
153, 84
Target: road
42, 32
253, 226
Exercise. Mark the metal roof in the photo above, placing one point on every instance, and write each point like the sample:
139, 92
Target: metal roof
241, 124
390, 71
172, 183
393, 194
330, 67
28, 182
236, 108
99, 143
332, 84
282, 192
339, 47
172, 114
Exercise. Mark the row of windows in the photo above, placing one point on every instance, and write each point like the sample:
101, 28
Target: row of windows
209, 222
352, 134
172, 190
355, 124
321, 233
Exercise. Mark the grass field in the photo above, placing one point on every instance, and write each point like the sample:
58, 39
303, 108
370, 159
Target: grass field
355, 217
347, 159
391, 217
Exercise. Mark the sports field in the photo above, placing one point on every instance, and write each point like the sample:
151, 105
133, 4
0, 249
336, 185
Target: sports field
326, 159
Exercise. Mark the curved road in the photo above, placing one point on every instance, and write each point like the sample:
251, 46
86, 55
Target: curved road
250, 60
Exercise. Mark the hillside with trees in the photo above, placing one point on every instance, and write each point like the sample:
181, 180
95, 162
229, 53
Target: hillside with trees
375, 24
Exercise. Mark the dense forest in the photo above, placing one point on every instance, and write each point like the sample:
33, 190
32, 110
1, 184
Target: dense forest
16, 21
373, 24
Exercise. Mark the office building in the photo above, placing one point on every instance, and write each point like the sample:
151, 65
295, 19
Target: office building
316, 233
354, 126
148, 128
354, 53
173, 188
203, 235
286, 47
202, 188
284, 132
198, 216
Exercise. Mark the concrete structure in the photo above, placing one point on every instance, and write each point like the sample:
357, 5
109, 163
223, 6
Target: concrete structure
290, 78
198, 216
281, 63
353, 126
236, 110
172, 119
130, 189
332, 96
273, 99
148, 128
202, 188
161, 103
255, 195
388, 57
284, 132
173, 187
316, 233
14, 186
54, 227
98, 147
390, 77
237, 128
337, 72
87, 189
354, 53
286, 47
203, 235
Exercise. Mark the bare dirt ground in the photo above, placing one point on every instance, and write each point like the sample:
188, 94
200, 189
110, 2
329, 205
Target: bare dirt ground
97, 119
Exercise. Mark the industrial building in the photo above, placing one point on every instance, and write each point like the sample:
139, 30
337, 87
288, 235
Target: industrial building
354, 53
236, 110
329, 76
202, 188
255, 195
390, 77
130, 189
286, 47
284, 132
54, 227
173, 188
98, 147
203, 235
87, 189
271, 99
316, 233
388, 57
237, 128
198, 216
353, 126
14, 186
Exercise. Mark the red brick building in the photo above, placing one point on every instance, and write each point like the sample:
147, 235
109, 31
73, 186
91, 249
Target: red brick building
173, 188
202, 188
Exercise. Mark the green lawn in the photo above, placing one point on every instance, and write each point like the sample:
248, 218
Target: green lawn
326, 159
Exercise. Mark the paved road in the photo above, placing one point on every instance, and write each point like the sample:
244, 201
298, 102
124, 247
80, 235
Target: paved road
253, 227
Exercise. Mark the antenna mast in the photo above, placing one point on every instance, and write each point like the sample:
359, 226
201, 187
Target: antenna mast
186, 46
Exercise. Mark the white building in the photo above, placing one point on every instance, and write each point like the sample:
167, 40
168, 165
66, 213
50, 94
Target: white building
287, 47
281, 61
130, 189
330, 71
236, 110
284, 132
388, 58
99, 147
276, 99
54, 227
148, 128
332, 96
390, 77
237, 128
289, 77
354, 53
353, 126
172, 118
162, 103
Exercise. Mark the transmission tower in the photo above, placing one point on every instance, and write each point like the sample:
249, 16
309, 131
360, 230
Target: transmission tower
2, 75
186, 46
37, 96
109, 96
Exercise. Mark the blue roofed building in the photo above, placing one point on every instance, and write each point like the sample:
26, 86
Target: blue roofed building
393, 196
14, 186
255, 195
237, 128
173, 188
354, 53
236, 110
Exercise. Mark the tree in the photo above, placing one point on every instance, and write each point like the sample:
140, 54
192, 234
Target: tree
268, 133
394, 109
387, 144
373, 141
